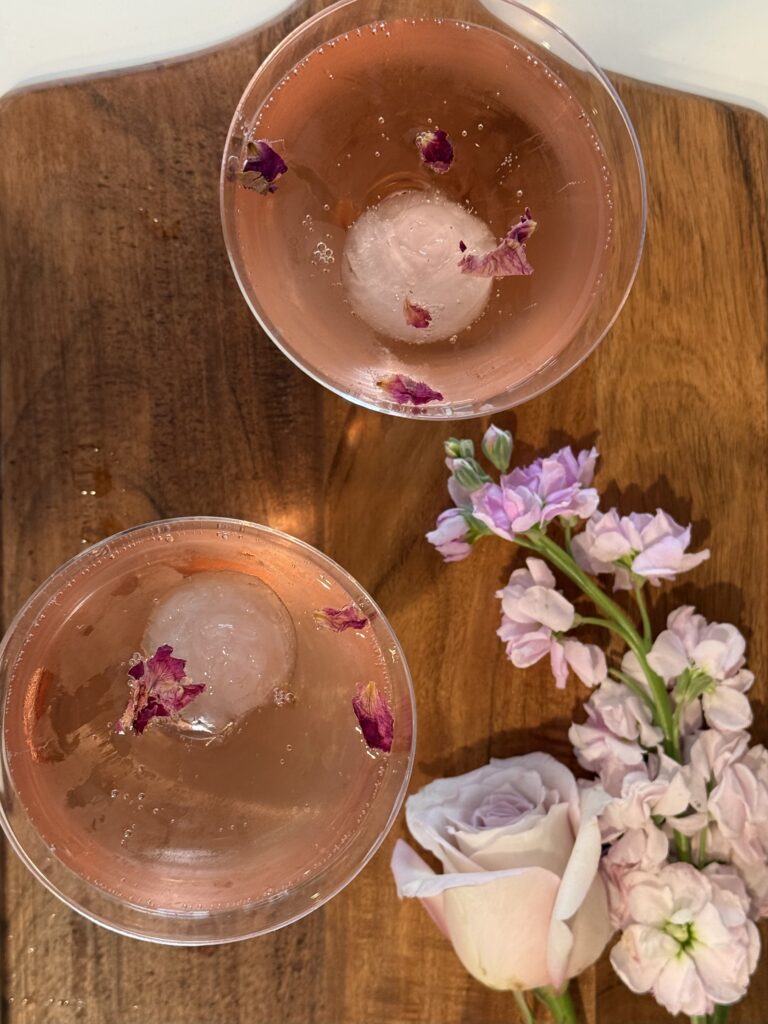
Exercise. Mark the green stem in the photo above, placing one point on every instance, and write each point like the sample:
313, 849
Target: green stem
633, 685
568, 532
525, 1010
699, 1020
589, 620
566, 564
683, 844
560, 1006
643, 607
720, 1016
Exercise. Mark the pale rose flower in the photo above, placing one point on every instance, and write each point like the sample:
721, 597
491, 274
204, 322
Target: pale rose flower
618, 726
690, 942
638, 849
519, 897
450, 535
651, 546
534, 615
714, 651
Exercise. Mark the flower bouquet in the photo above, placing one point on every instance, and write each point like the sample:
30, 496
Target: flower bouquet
666, 843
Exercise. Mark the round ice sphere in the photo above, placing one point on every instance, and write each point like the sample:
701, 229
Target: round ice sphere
406, 249
236, 636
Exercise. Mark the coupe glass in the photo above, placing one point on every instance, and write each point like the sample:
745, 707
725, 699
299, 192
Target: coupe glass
533, 122
246, 813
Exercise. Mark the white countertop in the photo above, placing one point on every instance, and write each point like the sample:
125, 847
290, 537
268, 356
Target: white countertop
712, 47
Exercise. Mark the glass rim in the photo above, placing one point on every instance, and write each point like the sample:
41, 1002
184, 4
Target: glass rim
435, 414
152, 914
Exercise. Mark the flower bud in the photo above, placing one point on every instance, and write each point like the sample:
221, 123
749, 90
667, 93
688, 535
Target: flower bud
458, 448
469, 474
497, 446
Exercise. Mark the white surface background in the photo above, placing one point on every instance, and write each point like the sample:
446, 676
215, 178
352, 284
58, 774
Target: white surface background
713, 47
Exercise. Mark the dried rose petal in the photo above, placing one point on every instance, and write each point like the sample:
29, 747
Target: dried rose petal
406, 389
508, 259
435, 149
339, 619
416, 315
261, 166
374, 716
157, 690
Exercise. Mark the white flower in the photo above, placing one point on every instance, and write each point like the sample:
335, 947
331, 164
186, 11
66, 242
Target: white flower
519, 897
618, 726
690, 941
706, 658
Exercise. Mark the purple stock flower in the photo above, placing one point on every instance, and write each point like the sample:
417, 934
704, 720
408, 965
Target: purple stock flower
435, 150
374, 716
416, 315
158, 690
339, 619
534, 615
535, 495
406, 390
262, 165
508, 258
450, 535
652, 546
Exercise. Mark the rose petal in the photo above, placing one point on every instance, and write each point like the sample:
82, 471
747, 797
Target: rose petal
375, 718
508, 259
157, 691
404, 390
416, 315
410, 870
339, 619
262, 165
435, 150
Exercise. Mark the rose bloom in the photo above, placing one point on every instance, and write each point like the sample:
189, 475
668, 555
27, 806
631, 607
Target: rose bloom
520, 896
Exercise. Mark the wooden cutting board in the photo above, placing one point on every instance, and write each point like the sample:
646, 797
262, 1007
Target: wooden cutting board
136, 385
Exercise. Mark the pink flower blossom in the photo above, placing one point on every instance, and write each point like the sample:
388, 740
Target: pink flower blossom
637, 850
158, 690
557, 486
611, 741
650, 546
534, 613
690, 942
450, 535
661, 790
738, 804
714, 654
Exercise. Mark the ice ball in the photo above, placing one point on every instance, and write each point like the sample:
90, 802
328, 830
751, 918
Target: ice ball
236, 636
406, 248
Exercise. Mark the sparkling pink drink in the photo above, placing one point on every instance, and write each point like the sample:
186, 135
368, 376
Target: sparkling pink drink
315, 255
254, 789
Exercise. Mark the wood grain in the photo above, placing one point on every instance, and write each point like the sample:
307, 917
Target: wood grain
131, 367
